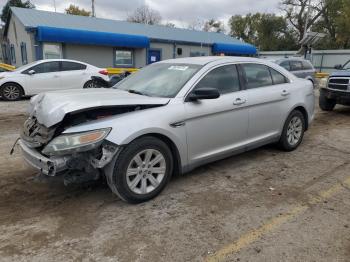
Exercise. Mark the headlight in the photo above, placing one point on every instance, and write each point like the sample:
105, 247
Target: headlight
77, 142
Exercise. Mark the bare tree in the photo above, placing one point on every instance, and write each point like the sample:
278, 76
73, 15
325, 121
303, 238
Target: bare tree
214, 26
195, 25
145, 15
296, 13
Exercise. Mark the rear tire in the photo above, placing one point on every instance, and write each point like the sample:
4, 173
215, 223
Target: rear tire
325, 103
11, 92
141, 170
90, 84
293, 131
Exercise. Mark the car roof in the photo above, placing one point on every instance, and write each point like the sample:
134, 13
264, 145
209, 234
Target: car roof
63, 60
203, 60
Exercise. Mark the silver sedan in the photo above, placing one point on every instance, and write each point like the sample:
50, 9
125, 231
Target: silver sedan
168, 118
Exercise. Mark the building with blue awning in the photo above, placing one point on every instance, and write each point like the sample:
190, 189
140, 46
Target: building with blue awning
31, 35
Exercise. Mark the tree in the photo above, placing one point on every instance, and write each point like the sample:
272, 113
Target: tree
266, 31
195, 25
75, 10
343, 25
145, 15
169, 24
17, 3
297, 11
213, 26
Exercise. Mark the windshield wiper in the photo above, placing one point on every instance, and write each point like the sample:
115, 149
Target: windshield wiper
132, 91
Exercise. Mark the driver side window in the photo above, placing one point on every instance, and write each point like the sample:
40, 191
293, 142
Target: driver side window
47, 67
224, 78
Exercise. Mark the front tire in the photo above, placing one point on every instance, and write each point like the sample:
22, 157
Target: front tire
293, 131
325, 103
142, 170
11, 92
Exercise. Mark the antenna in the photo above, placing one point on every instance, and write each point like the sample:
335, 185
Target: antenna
93, 8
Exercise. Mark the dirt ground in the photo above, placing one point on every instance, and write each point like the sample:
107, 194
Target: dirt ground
264, 205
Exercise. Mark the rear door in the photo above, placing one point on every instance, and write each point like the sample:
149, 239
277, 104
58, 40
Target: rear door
267, 92
46, 77
217, 126
73, 74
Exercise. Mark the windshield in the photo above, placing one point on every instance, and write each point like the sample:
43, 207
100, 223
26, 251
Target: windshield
159, 80
24, 66
347, 66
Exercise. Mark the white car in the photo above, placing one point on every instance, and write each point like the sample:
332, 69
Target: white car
48, 75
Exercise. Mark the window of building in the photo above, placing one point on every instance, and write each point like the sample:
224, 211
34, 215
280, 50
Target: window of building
124, 58
197, 53
256, 75
277, 77
24, 53
13, 54
46, 67
71, 66
52, 51
224, 78
296, 66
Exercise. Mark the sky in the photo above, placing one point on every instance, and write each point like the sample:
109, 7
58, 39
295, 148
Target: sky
180, 12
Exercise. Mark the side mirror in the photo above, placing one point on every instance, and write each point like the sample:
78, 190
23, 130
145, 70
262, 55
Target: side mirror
339, 67
203, 93
31, 72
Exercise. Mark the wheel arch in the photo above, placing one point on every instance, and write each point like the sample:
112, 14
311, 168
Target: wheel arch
173, 148
305, 114
15, 83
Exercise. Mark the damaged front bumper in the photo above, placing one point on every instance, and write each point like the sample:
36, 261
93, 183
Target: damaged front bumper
86, 162
47, 166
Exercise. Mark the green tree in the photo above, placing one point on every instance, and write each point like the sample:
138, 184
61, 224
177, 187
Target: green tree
343, 25
17, 3
75, 10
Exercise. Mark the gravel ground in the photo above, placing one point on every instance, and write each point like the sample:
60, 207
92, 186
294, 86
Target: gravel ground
264, 205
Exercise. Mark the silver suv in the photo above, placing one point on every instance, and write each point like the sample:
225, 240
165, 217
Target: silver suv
299, 67
169, 117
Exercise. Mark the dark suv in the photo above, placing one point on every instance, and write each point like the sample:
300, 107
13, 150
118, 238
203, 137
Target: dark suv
337, 90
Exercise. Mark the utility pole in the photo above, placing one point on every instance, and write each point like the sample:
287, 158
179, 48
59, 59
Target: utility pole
93, 8
54, 5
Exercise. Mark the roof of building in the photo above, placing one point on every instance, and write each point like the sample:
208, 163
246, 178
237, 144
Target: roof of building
33, 18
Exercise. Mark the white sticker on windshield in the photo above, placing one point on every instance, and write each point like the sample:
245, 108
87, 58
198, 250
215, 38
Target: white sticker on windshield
180, 68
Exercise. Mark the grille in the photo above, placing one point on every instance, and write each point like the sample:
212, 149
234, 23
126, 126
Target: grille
339, 83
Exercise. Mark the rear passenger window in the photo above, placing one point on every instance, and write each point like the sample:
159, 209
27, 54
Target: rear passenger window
296, 66
256, 75
285, 65
47, 67
277, 77
71, 66
307, 65
224, 78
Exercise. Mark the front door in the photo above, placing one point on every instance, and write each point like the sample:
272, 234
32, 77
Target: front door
154, 56
217, 126
44, 77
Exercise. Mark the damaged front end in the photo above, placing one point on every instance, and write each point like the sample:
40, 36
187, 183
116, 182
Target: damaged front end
77, 156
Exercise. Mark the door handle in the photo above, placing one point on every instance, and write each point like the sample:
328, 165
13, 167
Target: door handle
239, 101
285, 93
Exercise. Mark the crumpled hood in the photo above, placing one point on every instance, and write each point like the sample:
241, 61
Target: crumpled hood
341, 73
50, 108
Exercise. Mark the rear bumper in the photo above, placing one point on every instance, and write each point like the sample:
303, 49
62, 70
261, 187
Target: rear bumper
47, 166
341, 97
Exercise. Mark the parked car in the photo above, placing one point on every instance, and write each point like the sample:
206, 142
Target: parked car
48, 75
337, 90
299, 67
170, 117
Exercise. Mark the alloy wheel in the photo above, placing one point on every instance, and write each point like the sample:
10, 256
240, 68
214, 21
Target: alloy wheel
11, 92
294, 130
146, 171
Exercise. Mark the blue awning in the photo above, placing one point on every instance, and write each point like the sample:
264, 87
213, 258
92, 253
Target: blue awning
234, 49
85, 37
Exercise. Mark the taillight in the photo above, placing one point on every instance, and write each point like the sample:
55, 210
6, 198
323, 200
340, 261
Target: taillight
103, 72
